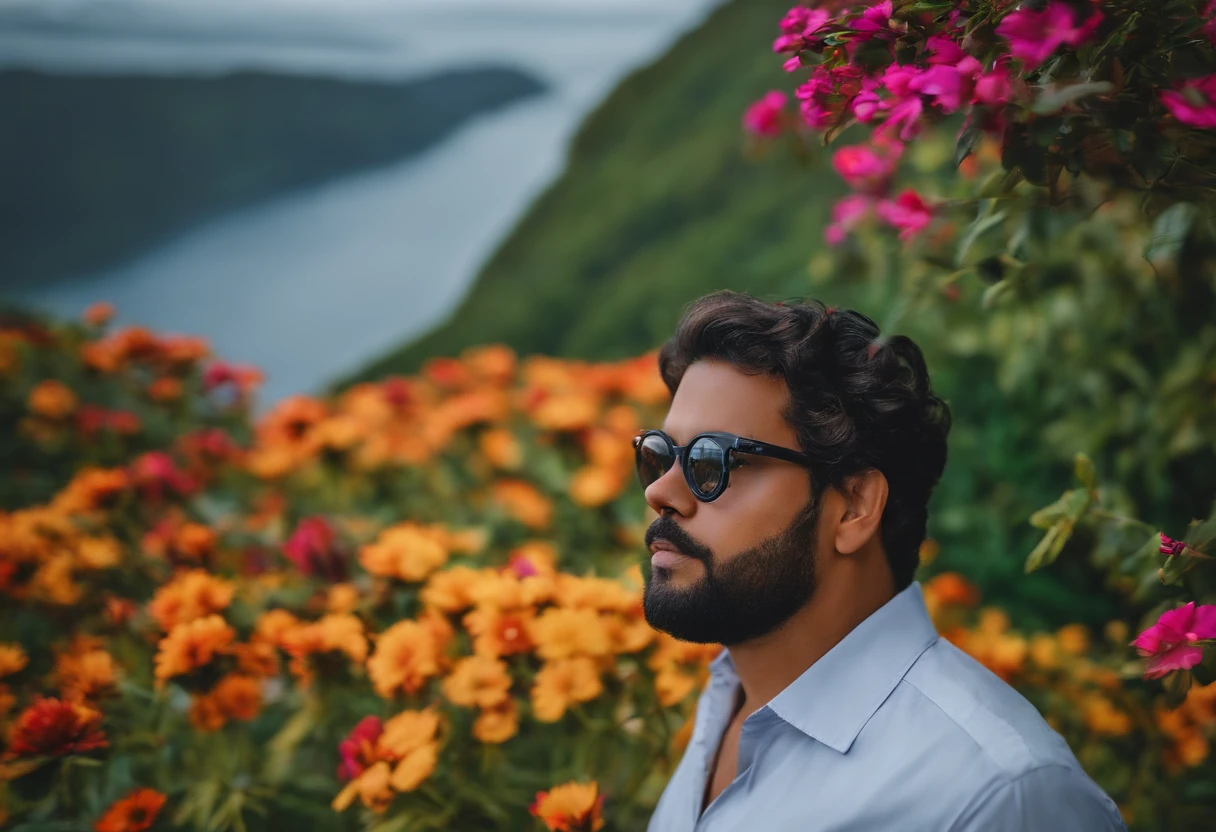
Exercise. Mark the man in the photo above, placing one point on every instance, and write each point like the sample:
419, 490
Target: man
791, 479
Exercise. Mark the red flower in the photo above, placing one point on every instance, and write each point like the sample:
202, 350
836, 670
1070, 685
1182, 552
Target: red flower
50, 728
155, 473
1171, 547
907, 212
315, 550
133, 813
359, 748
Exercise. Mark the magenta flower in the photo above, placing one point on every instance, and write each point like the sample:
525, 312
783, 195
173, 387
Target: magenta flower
993, 88
874, 21
947, 85
1173, 642
863, 169
1209, 28
1194, 103
1034, 35
907, 212
763, 118
799, 27
315, 550
846, 214
358, 749
1171, 547
903, 120
943, 50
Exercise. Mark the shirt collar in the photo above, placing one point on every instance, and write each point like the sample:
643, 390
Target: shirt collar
836, 696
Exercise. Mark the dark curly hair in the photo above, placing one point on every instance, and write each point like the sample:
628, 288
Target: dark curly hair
858, 401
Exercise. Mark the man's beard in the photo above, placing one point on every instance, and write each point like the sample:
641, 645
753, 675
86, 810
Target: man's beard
743, 598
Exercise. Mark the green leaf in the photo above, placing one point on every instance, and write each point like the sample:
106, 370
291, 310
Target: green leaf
1169, 233
1084, 470
975, 231
1071, 505
1056, 98
1177, 685
1049, 548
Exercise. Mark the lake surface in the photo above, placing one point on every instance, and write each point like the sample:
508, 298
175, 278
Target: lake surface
310, 286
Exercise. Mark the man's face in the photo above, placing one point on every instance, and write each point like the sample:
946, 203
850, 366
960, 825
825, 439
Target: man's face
744, 563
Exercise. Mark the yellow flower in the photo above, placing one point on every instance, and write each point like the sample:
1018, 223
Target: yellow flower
497, 725
559, 684
1104, 718
192, 645
523, 502
1043, 651
190, 595
406, 656
570, 807
342, 599
478, 681
52, 399
415, 768
560, 633
12, 659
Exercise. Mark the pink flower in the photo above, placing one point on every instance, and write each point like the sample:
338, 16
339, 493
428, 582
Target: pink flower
155, 473
907, 212
947, 85
1171, 547
764, 116
358, 749
846, 214
315, 550
1034, 35
826, 91
863, 169
943, 50
993, 87
903, 120
242, 379
1209, 28
1173, 642
1194, 103
874, 21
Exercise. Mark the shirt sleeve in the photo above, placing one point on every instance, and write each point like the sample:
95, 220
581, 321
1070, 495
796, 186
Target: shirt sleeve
1047, 799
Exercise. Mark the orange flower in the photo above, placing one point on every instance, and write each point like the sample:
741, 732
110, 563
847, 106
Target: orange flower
99, 313
628, 634
448, 589
1073, 639
189, 596
192, 645
497, 725
205, 713
51, 728
371, 787
331, 634
415, 768
98, 553
133, 813
672, 686
478, 681
949, 589
500, 447
239, 697
570, 807
194, 541
559, 684
1103, 718
257, 658
52, 399
560, 633
84, 674
496, 633
90, 489
406, 656
12, 659
522, 501
273, 625
409, 552
342, 599
165, 389
408, 740
594, 485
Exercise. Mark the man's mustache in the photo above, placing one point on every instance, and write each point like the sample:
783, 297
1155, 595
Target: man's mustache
665, 528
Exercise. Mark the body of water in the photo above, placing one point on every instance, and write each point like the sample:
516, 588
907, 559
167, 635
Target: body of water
310, 286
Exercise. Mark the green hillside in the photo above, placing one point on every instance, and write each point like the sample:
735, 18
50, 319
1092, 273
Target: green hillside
663, 201
95, 168
659, 203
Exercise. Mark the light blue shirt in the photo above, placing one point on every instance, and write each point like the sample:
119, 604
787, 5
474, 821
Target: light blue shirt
893, 729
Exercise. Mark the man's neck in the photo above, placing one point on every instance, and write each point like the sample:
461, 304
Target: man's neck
769, 664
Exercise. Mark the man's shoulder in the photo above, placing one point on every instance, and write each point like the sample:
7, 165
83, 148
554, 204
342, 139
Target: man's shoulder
974, 709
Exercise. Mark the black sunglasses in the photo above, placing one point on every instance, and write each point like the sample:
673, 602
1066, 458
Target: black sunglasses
706, 460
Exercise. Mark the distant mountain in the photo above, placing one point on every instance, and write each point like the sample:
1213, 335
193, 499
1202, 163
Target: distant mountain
97, 168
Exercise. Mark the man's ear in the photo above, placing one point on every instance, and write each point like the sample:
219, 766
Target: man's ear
865, 497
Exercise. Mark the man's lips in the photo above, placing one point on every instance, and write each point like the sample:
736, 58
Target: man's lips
665, 557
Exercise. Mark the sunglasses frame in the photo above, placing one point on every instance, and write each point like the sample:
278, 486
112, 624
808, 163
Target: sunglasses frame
729, 443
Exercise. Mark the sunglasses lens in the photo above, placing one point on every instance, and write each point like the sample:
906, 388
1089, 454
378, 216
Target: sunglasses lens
654, 459
706, 464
